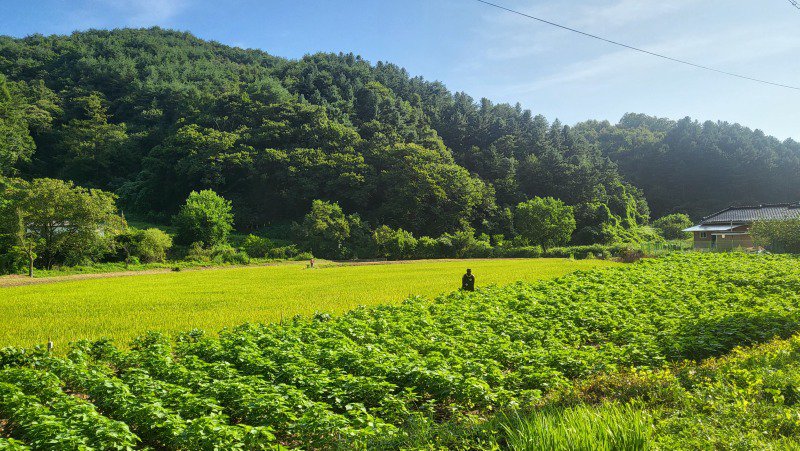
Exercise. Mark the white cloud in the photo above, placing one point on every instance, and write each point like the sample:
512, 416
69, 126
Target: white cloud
625, 12
146, 12
732, 50
512, 36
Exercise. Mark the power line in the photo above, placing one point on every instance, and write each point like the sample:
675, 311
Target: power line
637, 49
794, 2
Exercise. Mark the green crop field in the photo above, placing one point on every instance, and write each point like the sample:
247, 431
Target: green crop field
631, 358
123, 307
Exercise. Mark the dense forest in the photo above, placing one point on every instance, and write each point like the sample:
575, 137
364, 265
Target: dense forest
152, 115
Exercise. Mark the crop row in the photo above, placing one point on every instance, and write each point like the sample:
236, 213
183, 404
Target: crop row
361, 379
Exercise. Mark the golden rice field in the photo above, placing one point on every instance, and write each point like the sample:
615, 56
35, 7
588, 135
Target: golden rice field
123, 307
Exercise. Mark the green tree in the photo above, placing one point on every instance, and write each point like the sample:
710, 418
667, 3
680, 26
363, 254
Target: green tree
777, 235
323, 230
256, 246
92, 149
16, 143
545, 221
206, 218
394, 244
151, 245
63, 223
671, 226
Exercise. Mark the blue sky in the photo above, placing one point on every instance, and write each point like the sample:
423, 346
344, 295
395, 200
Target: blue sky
490, 53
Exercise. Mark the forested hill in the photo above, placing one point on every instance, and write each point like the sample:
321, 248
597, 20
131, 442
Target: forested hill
153, 114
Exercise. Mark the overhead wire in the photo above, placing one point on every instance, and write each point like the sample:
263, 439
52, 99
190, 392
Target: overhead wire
641, 50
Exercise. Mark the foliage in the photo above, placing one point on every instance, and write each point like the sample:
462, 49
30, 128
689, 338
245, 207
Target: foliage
256, 246
155, 114
366, 374
16, 143
205, 218
671, 226
606, 427
219, 254
59, 222
324, 230
394, 244
697, 167
777, 235
151, 245
546, 222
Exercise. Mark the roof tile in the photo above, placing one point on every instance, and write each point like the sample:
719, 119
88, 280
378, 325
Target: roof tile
747, 214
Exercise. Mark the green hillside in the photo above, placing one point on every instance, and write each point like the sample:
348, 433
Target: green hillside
154, 114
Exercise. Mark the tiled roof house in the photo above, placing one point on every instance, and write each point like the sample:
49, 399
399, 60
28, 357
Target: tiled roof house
730, 228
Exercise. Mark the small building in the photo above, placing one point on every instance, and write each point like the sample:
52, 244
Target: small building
730, 228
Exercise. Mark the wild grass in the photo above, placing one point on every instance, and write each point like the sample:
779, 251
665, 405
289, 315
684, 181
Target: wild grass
607, 427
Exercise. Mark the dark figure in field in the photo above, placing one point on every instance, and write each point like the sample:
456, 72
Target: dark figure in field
468, 281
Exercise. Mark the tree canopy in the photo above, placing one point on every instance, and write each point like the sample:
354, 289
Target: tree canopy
205, 218
152, 115
546, 222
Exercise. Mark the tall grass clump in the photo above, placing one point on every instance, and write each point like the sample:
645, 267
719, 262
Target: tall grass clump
582, 428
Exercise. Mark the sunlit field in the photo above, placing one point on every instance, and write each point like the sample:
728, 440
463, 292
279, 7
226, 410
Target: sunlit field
124, 307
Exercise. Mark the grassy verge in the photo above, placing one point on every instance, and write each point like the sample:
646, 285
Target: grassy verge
105, 268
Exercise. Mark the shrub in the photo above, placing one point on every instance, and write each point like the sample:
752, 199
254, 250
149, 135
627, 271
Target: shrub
256, 246
463, 241
631, 255
671, 226
480, 249
427, 247
217, 254
285, 252
394, 244
518, 252
198, 253
778, 236
205, 217
228, 254
151, 245
323, 230
545, 221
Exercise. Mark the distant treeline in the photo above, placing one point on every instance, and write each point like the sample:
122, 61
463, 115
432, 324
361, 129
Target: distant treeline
153, 115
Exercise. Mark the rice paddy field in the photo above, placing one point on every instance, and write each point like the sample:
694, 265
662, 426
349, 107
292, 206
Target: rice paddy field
122, 308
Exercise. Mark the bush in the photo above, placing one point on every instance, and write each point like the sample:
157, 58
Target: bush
285, 252
228, 254
151, 245
205, 217
631, 255
323, 230
394, 244
518, 252
545, 221
777, 236
198, 253
217, 254
479, 249
671, 226
427, 247
256, 246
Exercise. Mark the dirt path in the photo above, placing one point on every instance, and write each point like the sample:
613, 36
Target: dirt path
20, 280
